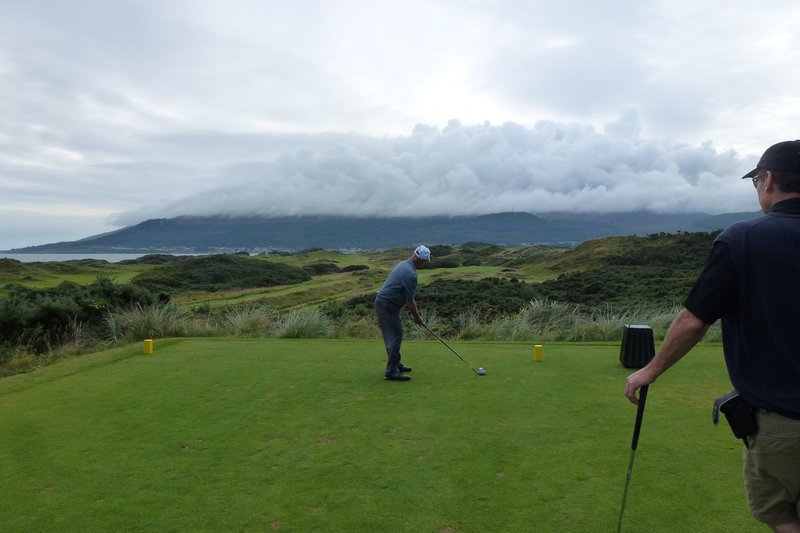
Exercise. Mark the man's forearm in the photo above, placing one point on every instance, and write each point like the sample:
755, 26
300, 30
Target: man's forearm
686, 331
411, 305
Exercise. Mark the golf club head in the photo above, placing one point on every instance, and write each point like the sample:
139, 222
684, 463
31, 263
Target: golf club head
481, 371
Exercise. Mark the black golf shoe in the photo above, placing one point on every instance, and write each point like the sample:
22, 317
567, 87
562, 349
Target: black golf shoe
401, 368
397, 376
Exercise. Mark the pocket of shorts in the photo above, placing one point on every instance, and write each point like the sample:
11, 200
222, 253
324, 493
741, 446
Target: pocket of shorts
783, 441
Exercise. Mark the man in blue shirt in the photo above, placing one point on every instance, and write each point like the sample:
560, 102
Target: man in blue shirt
397, 292
751, 284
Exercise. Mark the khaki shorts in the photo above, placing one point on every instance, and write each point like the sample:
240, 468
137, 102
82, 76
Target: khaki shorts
772, 469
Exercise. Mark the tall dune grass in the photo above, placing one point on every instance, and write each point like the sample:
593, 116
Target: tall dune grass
468, 324
146, 322
250, 321
540, 320
304, 324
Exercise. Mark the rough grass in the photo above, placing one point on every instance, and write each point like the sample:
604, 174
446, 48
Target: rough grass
304, 435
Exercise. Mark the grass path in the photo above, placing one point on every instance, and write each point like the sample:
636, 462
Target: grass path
305, 435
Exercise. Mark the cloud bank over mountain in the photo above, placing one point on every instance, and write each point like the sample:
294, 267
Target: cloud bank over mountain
459, 170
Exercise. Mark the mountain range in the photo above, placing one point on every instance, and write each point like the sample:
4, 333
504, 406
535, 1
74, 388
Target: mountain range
211, 234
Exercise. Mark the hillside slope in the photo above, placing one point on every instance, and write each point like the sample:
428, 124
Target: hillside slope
654, 270
213, 234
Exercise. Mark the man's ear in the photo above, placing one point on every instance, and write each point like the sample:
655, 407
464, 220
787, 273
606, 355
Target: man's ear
769, 183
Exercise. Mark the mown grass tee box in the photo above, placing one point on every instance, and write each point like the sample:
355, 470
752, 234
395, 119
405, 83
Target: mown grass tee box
305, 435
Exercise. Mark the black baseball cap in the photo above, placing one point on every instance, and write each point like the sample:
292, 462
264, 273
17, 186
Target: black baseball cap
782, 156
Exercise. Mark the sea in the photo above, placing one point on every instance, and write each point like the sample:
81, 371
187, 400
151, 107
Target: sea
33, 258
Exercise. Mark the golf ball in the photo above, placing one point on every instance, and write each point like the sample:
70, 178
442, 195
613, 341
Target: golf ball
481, 370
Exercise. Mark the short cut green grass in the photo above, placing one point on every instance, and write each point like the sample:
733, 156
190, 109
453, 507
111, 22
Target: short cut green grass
305, 435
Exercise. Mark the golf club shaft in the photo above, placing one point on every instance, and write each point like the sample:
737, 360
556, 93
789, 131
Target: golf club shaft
448, 347
634, 443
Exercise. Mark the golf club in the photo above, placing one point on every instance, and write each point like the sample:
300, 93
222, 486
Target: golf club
480, 371
636, 428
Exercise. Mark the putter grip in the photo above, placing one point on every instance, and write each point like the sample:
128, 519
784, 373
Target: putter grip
639, 415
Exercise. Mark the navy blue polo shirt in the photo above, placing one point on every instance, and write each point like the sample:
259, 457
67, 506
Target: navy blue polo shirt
752, 284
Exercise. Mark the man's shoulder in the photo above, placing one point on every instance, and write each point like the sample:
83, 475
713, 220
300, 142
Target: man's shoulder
404, 267
740, 228
763, 225
400, 265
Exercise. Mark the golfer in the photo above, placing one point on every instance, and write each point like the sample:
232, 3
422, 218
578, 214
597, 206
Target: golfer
751, 283
397, 292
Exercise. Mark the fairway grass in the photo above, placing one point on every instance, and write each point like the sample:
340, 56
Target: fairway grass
305, 435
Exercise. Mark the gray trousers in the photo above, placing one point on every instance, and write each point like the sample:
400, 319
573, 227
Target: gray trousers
392, 329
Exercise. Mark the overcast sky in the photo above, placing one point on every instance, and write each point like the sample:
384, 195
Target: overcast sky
113, 112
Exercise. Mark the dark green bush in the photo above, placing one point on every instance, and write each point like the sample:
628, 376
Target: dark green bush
151, 259
444, 263
489, 296
353, 268
622, 285
42, 319
322, 267
440, 250
219, 273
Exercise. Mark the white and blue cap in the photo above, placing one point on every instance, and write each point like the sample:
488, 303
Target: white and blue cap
423, 252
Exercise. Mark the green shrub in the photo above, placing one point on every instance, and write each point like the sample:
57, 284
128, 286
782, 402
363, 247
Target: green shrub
444, 263
42, 320
354, 268
217, 273
489, 296
151, 259
322, 267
